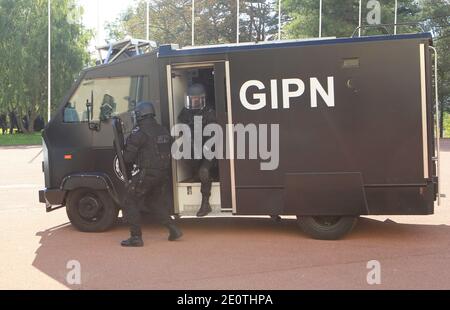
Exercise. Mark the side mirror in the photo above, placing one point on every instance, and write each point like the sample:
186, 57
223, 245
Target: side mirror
90, 113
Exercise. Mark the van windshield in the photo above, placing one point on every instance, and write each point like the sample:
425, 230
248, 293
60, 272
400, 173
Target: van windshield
112, 97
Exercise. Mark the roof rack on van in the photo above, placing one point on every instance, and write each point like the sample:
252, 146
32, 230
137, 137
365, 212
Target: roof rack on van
126, 48
386, 28
253, 43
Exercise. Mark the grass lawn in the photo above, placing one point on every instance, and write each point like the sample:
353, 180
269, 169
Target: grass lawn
446, 125
20, 139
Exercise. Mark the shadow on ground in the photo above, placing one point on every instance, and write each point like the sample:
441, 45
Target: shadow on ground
215, 252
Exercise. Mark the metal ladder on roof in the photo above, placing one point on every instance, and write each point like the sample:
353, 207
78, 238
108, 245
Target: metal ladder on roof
126, 48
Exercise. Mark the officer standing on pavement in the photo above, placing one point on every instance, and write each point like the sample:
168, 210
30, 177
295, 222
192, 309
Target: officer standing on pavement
148, 147
196, 106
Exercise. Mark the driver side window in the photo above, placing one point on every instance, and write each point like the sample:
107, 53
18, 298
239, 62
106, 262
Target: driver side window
112, 97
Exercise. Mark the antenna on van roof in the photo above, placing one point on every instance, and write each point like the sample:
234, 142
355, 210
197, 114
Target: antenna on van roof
126, 48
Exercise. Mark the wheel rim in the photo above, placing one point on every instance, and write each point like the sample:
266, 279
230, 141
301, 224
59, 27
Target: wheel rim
327, 221
90, 208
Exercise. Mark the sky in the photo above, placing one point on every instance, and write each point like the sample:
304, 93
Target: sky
99, 12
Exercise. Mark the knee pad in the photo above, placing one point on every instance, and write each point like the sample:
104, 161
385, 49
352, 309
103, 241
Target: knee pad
203, 173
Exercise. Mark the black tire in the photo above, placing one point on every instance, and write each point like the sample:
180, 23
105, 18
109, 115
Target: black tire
327, 227
90, 210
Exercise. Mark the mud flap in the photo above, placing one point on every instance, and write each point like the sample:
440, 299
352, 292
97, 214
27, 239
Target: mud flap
325, 194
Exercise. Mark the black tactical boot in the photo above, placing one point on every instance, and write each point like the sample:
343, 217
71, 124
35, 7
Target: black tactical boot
205, 209
174, 232
133, 241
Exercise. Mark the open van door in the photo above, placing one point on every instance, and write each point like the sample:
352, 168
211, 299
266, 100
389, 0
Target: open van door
186, 184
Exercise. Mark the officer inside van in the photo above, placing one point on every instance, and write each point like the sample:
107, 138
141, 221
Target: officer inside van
148, 147
197, 105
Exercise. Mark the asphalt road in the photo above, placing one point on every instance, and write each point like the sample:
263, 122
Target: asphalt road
221, 253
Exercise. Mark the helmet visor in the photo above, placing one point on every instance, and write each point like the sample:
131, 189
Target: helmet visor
196, 102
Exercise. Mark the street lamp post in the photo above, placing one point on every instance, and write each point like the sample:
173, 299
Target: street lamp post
360, 18
395, 17
237, 22
279, 19
148, 20
49, 86
98, 23
320, 19
193, 23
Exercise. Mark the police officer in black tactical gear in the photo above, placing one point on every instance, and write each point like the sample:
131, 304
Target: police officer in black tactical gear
148, 147
196, 106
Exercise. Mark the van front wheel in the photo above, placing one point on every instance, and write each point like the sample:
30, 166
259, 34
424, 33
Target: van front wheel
91, 211
327, 227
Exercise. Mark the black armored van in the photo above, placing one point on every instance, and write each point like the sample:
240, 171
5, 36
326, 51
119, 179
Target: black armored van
349, 121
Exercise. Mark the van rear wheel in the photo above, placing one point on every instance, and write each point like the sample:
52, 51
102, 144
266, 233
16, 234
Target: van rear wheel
90, 210
327, 227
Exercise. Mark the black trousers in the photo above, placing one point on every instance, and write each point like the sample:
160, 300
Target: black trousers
148, 189
207, 169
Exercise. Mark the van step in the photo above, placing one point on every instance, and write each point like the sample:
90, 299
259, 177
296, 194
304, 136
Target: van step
189, 211
193, 208
212, 214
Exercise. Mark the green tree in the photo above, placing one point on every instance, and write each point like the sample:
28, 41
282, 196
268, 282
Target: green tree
170, 21
259, 21
341, 18
436, 19
23, 54
215, 21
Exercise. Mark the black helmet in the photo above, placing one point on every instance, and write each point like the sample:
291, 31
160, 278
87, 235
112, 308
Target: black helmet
144, 109
196, 97
197, 90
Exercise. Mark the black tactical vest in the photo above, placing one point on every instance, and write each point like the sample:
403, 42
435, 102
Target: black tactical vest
155, 153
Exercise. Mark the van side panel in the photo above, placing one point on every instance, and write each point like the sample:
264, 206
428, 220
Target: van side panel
374, 128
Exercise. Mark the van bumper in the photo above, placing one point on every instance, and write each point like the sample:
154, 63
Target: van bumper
52, 197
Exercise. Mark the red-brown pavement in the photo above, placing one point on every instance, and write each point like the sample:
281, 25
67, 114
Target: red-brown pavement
215, 253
